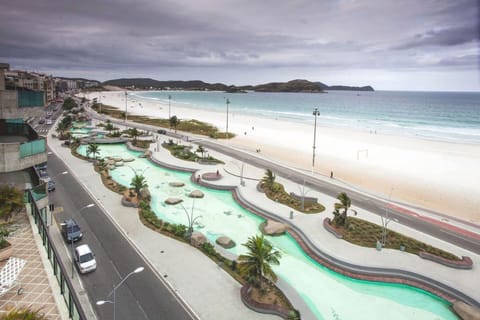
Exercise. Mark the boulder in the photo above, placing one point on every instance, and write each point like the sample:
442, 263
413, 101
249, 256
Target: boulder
128, 159
225, 242
176, 184
145, 193
172, 201
197, 239
119, 163
196, 194
273, 228
116, 159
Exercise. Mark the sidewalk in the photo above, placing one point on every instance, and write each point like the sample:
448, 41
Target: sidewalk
208, 289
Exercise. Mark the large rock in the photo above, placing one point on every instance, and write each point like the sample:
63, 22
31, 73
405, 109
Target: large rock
173, 201
196, 194
273, 228
197, 239
176, 184
466, 311
145, 193
225, 242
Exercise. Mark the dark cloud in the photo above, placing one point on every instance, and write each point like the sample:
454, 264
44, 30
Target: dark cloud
145, 37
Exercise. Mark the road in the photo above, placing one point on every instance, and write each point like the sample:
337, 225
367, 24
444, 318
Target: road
143, 295
441, 231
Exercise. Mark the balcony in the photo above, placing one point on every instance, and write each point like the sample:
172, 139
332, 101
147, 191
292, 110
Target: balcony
20, 146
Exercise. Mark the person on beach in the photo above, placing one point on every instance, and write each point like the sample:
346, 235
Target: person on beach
331, 174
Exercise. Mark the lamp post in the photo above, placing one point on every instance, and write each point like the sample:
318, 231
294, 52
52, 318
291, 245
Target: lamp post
112, 293
169, 98
71, 226
315, 113
126, 95
228, 102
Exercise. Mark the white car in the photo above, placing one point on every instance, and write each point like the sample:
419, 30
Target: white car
85, 259
49, 121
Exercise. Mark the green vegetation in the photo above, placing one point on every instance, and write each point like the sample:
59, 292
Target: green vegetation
276, 192
256, 264
366, 234
94, 149
341, 210
192, 126
138, 183
185, 153
23, 313
11, 201
69, 104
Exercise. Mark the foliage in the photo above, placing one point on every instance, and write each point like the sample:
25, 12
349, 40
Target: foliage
4, 233
341, 210
69, 104
184, 153
11, 200
366, 234
138, 183
268, 179
201, 150
179, 230
257, 261
174, 122
94, 149
23, 313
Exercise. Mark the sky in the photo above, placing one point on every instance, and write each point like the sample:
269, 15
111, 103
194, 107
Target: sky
430, 45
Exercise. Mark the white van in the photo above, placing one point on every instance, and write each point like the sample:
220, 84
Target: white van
85, 259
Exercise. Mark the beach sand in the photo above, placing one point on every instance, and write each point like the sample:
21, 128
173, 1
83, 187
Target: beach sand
440, 176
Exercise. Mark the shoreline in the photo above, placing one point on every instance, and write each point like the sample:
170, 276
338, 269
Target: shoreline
432, 174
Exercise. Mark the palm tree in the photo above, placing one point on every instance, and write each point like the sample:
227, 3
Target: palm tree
138, 183
258, 261
268, 179
11, 200
23, 313
174, 122
344, 206
94, 149
201, 149
134, 133
61, 127
109, 127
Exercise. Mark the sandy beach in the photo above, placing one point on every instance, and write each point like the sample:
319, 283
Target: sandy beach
440, 176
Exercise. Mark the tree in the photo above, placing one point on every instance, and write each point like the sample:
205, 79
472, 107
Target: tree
258, 261
109, 126
268, 179
201, 150
134, 133
61, 127
138, 183
94, 149
23, 313
174, 122
11, 200
341, 209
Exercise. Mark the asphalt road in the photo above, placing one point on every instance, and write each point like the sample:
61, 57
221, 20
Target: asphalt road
143, 295
359, 200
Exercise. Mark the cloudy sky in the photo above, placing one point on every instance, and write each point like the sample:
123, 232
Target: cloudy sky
389, 44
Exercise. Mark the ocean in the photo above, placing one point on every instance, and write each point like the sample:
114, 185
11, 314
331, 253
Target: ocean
444, 116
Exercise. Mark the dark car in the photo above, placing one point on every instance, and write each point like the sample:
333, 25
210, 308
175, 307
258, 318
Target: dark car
162, 131
50, 185
71, 230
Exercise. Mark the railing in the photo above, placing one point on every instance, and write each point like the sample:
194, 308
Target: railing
60, 272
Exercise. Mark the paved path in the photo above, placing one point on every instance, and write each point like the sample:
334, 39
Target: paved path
213, 289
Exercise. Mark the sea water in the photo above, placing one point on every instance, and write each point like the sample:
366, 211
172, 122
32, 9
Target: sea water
444, 116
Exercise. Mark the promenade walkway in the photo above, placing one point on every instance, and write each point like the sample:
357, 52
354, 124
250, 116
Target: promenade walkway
206, 287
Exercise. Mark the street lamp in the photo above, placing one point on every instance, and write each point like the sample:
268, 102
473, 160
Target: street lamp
126, 95
169, 98
71, 231
228, 102
101, 302
315, 113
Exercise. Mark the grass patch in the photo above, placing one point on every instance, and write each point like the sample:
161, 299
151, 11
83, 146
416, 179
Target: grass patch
277, 193
366, 234
191, 126
184, 152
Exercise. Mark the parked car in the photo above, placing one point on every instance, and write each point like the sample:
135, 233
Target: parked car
49, 121
162, 131
85, 259
71, 230
41, 121
50, 185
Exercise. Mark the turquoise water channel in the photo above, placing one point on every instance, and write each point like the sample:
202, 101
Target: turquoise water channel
328, 294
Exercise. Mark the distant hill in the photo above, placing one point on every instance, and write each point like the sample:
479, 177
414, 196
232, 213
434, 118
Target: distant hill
297, 85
